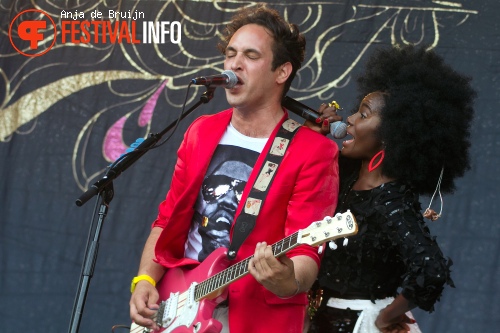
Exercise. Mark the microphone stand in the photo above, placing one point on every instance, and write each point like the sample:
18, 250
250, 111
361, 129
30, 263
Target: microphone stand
103, 188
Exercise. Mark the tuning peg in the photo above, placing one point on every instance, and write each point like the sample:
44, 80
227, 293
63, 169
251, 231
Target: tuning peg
332, 245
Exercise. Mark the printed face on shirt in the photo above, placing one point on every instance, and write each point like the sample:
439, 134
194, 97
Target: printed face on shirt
221, 193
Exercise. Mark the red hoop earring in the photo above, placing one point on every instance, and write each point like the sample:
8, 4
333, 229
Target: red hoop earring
380, 155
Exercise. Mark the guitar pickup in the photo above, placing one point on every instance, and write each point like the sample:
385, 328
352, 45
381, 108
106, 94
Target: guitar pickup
170, 309
190, 301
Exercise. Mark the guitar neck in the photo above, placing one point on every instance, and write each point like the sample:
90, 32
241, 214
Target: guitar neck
240, 269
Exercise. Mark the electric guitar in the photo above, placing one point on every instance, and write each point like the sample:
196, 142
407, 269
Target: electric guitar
189, 296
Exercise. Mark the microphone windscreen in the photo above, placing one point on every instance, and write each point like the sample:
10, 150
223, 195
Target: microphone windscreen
338, 130
232, 79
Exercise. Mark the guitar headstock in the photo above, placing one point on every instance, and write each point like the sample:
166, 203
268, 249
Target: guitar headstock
330, 228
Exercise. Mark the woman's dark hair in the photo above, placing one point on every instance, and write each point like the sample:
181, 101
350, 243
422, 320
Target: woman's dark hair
425, 124
289, 43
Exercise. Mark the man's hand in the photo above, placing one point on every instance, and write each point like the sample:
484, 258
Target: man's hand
143, 304
276, 275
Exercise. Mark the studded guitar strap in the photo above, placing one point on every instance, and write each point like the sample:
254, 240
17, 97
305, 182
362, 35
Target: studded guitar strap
255, 201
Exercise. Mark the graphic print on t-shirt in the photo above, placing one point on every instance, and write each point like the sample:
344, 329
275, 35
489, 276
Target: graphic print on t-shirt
218, 200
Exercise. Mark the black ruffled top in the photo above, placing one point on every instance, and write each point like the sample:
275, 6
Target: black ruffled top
392, 252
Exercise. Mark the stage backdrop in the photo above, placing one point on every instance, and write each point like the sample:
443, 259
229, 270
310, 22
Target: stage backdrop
67, 114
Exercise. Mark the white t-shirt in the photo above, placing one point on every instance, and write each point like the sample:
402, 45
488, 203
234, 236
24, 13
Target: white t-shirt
221, 191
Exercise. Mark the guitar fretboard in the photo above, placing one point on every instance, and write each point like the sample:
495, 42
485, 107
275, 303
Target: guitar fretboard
240, 269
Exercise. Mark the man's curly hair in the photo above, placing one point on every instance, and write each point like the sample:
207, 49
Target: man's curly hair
289, 43
425, 124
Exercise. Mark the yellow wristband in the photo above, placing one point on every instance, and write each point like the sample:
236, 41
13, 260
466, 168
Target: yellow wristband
140, 278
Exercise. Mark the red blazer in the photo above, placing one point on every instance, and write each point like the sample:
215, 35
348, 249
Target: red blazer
304, 190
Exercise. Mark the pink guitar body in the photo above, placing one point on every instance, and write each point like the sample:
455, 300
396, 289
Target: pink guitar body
188, 297
198, 317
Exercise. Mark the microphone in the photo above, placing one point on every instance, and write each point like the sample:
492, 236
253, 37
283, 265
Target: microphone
227, 79
338, 129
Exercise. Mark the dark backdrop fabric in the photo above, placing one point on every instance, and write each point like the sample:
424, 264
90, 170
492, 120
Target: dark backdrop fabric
66, 115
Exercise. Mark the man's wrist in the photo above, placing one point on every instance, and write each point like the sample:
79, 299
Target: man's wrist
295, 293
142, 277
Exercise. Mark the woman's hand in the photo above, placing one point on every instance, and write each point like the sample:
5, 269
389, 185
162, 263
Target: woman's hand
328, 114
395, 325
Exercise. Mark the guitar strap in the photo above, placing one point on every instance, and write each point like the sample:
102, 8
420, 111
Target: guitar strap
255, 201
